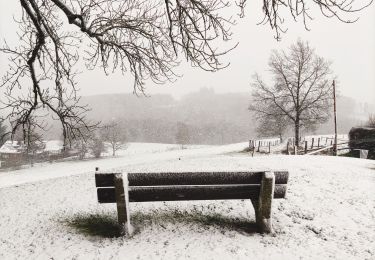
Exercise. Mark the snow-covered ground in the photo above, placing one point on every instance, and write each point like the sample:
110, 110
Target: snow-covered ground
136, 153
50, 211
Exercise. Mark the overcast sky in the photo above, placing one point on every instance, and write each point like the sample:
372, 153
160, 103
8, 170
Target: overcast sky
351, 48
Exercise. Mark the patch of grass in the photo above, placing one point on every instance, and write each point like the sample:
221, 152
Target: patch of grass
106, 226
246, 150
196, 217
354, 154
96, 225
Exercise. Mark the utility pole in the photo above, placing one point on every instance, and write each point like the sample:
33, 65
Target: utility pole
335, 117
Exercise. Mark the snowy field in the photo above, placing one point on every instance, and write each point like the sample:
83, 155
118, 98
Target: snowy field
50, 211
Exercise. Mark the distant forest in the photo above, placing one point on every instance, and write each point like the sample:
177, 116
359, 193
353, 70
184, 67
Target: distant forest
210, 118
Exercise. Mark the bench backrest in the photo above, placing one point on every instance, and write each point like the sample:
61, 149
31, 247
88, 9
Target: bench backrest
172, 186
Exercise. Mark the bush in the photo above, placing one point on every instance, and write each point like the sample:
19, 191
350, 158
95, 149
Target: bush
363, 138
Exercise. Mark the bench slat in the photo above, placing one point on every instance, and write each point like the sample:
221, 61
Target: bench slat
174, 193
190, 178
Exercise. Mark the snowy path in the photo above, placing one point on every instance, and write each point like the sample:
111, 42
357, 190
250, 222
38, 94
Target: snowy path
133, 156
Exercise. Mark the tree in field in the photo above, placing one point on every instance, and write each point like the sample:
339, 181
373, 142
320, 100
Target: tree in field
34, 144
115, 136
272, 124
32, 138
182, 134
301, 90
371, 121
81, 145
96, 145
3, 133
143, 38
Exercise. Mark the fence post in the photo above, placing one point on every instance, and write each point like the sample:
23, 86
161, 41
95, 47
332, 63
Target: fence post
269, 147
318, 142
312, 143
287, 147
259, 146
305, 147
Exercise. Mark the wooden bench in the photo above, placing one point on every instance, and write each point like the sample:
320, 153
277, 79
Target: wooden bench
260, 187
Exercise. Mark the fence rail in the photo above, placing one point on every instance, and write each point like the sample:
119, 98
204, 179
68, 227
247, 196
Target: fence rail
268, 143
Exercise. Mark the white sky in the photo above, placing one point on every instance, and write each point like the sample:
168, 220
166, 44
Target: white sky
351, 48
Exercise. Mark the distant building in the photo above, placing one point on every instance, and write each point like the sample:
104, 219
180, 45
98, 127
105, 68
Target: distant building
12, 153
54, 147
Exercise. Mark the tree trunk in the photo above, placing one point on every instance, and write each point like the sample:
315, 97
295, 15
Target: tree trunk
113, 149
296, 133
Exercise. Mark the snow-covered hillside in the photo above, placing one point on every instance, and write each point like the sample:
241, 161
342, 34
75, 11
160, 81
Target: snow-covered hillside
135, 154
50, 211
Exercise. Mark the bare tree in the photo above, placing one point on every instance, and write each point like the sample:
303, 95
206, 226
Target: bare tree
302, 90
182, 134
32, 138
96, 145
3, 133
272, 124
141, 37
115, 136
80, 146
371, 121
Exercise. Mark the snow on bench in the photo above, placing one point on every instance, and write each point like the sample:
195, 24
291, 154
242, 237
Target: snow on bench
260, 187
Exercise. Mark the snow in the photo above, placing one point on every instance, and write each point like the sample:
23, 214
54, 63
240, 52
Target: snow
339, 136
329, 211
274, 139
136, 153
11, 147
53, 146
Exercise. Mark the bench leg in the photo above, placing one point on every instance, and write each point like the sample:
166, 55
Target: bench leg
263, 206
122, 201
256, 209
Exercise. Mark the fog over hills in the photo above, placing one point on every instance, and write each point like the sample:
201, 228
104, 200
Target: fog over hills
211, 118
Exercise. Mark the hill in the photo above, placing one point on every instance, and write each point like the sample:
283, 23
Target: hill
211, 118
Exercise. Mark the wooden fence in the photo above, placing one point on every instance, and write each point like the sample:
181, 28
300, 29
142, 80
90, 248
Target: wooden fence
255, 145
